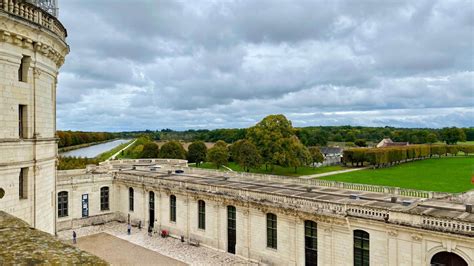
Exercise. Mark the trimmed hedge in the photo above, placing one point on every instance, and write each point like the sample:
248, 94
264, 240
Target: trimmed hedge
395, 155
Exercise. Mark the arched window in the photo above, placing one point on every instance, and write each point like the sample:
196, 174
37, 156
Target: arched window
130, 199
173, 208
104, 198
62, 204
311, 243
271, 230
361, 248
201, 214
447, 259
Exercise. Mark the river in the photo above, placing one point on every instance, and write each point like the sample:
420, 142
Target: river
93, 151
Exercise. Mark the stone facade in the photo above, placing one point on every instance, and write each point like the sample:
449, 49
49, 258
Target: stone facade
399, 235
32, 49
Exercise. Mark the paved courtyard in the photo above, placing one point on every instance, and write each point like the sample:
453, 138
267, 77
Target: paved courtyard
111, 242
117, 251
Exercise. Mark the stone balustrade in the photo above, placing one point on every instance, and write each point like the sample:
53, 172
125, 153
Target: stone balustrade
34, 14
309, 205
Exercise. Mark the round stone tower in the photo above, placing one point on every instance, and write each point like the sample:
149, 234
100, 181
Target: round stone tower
32, 49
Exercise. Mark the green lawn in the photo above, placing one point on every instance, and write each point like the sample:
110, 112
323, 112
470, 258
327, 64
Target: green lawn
451, 174
277, 170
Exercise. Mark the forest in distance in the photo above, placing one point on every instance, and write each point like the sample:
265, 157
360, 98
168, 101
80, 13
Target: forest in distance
309, 136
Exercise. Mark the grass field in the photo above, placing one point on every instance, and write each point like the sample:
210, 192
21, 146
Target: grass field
277, 170
451, 174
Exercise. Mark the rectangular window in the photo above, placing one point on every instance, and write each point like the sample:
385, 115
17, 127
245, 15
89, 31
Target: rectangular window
173, 208
130, 199
104, 199
361, 248
23, 183
24, 67
201, 215
271, 230
22, 125
62, 204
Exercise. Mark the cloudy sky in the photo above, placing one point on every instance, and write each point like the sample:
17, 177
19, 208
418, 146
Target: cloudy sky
153, 64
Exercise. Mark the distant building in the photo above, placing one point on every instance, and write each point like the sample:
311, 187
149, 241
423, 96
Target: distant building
332, 156
389, 143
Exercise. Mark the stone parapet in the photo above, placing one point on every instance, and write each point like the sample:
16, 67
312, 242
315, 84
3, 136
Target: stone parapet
35, 15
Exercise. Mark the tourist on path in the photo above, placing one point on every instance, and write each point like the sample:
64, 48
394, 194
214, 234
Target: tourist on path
74, 236
150, 230
129, 229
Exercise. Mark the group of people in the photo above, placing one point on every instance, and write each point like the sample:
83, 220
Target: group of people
129, 228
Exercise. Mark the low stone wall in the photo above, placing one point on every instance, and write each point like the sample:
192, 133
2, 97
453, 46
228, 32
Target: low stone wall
93, 220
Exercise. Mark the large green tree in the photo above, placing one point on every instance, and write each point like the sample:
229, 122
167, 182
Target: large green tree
451, 135
431, 138
292, 153
316, 155
150, 150
172, 150
197, 152
245, 154
267, 136
218, 154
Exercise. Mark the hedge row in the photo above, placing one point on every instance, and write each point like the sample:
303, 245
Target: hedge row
394, 155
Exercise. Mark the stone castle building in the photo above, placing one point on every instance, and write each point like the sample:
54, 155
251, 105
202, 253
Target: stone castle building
32, 49
265, 219
273, 220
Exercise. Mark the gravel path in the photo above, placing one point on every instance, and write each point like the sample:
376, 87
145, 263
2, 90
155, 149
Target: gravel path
169, 247
332, 173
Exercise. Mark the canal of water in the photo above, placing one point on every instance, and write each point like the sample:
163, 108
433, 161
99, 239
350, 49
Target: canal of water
93, 151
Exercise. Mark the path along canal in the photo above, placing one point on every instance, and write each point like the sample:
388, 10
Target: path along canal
95, 150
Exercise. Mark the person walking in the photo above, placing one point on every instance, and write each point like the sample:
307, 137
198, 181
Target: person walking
74, 236
129, 229
150, 230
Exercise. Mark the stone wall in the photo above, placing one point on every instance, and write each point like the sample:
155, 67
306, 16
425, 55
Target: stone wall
28, 32
390, 243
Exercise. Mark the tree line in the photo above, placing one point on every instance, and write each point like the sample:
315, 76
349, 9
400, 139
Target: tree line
320, 136
273, 141
71, 138
383, 157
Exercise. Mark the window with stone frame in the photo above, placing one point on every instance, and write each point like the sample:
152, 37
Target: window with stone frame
23, 69
361, 248
271, 230
22, 121
23, 183
104, 198
201, 214
62, 204
130, 199
173, 208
